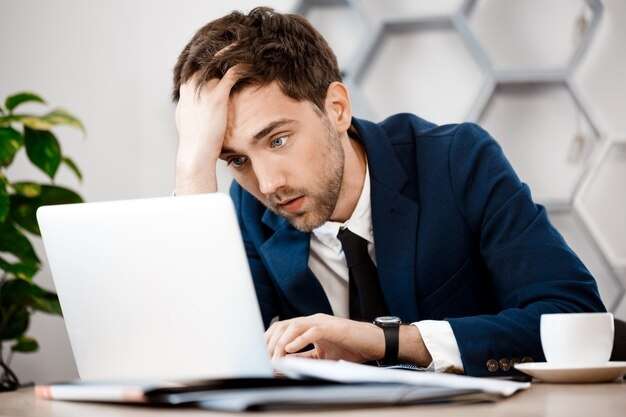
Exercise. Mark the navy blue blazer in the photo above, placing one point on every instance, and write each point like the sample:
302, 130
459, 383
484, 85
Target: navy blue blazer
458, 238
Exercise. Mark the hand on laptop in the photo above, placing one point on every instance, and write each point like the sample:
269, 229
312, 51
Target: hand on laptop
201, 116
338, 338
332, 338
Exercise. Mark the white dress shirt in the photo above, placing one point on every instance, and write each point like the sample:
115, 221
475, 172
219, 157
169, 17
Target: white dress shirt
328, 263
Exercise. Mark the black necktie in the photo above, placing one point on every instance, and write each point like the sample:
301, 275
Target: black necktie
366, 297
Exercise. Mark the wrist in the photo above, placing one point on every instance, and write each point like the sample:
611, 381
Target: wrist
195, 178
412, 347
191, 162
375, 344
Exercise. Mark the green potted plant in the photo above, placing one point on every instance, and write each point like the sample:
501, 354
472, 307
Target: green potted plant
19, 295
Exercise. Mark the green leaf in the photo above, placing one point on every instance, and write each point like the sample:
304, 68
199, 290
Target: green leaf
10, 142
73, 167
5, 203
24, 208
22, 97
7, 120
45, 122
63, 117
16, 322
25, 344
15, 292
43, 149
22, 293
13, 241
27, 189
34, 122
52, 194
44, 301
22, 270
23, 213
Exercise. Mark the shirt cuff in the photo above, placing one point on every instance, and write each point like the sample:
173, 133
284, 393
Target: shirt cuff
441, 344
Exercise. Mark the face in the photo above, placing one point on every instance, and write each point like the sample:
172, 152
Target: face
286, 153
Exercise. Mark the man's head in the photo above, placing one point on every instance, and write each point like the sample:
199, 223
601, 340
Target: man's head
288, 113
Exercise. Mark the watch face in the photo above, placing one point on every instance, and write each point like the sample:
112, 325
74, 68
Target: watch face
387, 320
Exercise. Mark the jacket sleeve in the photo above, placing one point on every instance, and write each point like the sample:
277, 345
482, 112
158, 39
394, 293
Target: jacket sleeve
265, 291
531, 269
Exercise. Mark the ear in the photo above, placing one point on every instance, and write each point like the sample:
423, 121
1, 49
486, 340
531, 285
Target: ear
338, 106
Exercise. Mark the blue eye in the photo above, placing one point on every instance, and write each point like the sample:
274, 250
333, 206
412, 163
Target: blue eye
237, 161
278, 142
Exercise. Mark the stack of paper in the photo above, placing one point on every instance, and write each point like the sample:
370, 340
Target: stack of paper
342, 371
311, 383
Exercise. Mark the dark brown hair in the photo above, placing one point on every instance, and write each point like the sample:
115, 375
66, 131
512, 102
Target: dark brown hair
278, 47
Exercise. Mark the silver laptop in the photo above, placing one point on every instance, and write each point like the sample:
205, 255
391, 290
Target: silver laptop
155, 289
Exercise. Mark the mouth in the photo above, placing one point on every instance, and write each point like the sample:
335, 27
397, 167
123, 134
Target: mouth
292, 205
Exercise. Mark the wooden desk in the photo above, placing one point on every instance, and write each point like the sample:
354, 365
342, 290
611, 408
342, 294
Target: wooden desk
595, 400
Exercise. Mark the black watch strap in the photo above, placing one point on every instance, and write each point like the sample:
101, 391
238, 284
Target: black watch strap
391, 344
391, 330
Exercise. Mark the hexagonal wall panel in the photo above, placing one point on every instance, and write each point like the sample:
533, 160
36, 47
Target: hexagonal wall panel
513, 48
602, 202
537, 127
398, 10
438, 80
342, 25
579, 239
425, 58
605, 85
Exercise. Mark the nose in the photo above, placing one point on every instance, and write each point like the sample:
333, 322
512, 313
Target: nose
269, 177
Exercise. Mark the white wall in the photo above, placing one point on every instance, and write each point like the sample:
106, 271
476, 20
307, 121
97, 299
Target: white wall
110, 62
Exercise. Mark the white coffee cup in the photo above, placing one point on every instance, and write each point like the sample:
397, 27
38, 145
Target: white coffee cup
577, 339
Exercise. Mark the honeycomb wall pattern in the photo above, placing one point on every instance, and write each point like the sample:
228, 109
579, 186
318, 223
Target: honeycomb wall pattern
547, 103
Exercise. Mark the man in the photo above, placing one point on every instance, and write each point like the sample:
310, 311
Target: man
345, 221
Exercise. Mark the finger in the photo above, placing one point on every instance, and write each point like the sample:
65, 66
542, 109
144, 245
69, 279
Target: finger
279, 329
192, 82
205, 87
309, 354
274, 327
188, 87
269, 333
311, 336
224, 49
231, 77
294, 330
194, 87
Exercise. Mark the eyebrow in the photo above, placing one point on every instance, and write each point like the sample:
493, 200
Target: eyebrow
269, 128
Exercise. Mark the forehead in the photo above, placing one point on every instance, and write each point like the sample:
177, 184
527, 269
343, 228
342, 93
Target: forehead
254, 107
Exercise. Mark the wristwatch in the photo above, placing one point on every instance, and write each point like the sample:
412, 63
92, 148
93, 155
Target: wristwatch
391, 330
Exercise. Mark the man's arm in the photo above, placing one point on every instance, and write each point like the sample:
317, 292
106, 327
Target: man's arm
338, 338
532, 271
201, 117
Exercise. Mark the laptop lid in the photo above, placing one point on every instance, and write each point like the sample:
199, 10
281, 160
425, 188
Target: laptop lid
155, 288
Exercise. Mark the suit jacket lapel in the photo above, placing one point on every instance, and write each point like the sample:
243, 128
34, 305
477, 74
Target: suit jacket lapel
286, 255
394, 219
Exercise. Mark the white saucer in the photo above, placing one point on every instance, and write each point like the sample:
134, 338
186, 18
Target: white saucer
548, 372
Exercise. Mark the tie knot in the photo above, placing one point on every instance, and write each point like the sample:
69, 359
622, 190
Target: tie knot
354, 247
